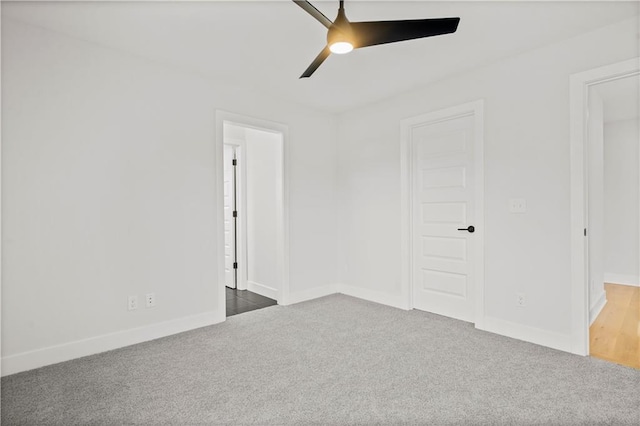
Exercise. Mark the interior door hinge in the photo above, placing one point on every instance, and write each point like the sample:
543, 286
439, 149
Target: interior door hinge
585, 232
235, 213
235, 162
235, 265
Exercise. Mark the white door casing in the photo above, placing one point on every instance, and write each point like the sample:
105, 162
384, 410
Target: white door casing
281, 245
443, 191
230, 233
579, 85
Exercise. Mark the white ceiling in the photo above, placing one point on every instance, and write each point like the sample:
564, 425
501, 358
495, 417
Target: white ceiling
266, 45
621, 98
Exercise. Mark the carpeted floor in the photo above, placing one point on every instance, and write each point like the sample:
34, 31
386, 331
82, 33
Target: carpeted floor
335, 360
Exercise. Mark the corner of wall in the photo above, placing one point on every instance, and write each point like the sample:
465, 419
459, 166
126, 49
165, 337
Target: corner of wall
312, 293
393, 300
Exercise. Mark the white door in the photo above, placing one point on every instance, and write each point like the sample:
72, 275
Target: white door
229, 220
443, 209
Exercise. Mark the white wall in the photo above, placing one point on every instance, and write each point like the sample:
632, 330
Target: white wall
108, 190
595, 200
621, 213
263, 164
526, 156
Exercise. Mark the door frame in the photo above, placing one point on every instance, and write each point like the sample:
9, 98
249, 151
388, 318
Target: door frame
282, 214
579, 85
476, 109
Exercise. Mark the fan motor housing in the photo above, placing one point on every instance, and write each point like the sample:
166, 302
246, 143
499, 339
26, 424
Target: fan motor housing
340, 31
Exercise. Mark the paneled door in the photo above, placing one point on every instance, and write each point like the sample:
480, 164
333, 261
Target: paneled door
230, 232
443, 216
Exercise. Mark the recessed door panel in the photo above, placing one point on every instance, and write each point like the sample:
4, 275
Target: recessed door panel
443, 177
447, 283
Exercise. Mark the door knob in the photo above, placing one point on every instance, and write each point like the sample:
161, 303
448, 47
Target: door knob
470, 229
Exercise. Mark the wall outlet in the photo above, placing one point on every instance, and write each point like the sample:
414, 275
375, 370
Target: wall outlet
517, 205
150, 300
132, 302
521, 300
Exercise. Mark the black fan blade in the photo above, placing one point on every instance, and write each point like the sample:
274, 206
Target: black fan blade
382, 32
316, 62
311, 10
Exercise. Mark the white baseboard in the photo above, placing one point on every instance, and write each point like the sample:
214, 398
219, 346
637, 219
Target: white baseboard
54, 354
262, 290
493, 325
313, 293
358, 292
395, 301
538, 336
632, 280
241, 285
597, 306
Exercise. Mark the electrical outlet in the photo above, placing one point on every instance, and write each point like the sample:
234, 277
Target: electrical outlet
521, 300
132, 302
150, 300
517, 205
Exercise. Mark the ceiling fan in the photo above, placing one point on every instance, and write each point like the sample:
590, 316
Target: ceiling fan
344, 36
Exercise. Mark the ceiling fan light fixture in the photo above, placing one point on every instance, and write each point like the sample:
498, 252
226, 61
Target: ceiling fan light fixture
344, 36
340, 37
341, 47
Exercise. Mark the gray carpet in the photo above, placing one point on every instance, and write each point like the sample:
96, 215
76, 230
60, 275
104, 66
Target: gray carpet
335, 360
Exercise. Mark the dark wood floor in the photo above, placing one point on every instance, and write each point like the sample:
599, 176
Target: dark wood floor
241, 301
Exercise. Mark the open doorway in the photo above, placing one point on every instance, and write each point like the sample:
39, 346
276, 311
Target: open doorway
254, 210
582, 309
613, 216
